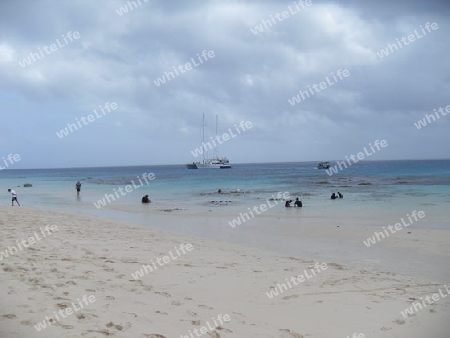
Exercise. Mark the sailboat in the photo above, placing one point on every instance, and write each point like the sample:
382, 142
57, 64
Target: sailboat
215, 162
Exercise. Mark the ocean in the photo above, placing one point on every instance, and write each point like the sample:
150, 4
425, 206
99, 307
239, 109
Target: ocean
368, 187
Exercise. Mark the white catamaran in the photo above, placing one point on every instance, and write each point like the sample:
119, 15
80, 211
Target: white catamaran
215, 162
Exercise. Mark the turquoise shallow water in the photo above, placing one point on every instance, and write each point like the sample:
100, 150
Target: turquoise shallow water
371, 189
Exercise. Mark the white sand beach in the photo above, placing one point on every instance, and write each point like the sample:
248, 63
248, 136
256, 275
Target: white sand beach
191, 289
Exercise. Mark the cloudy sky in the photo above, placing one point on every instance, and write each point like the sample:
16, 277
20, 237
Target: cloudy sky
119, 57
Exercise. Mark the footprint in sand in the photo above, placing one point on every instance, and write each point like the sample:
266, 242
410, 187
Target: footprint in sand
154, 335
206, 307
136, 291
292, 333
214, 334
10, 316
162, 313
129, 261
117, 327
290, 297
337, 266
26, 322
165, 294
399, 321
176, 303
80, 316
63, 305
105, 332
60, 298
138, 281
192, 313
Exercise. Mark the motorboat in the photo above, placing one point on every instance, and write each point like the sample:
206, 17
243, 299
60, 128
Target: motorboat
323, 165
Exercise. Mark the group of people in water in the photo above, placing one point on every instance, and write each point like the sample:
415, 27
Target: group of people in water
297, 203
145, 199
334, 196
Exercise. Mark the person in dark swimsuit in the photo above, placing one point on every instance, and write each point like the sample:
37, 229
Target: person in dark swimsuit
298, 203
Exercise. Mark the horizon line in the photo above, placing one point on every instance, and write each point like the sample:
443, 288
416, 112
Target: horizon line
237, 163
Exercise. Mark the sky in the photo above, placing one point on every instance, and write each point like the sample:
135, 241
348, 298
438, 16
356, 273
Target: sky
61, 60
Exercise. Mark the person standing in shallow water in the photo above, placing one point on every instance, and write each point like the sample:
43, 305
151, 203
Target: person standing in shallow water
14, 197
78, 187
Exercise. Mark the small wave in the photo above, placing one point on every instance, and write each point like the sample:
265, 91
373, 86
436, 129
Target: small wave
112, 181
302, 194
222, 192
170, 209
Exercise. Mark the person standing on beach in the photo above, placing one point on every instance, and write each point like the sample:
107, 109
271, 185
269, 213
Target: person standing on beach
78, 187
14, 197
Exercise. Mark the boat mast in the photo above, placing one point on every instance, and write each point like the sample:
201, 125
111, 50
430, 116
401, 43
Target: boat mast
215, 149
203, 137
